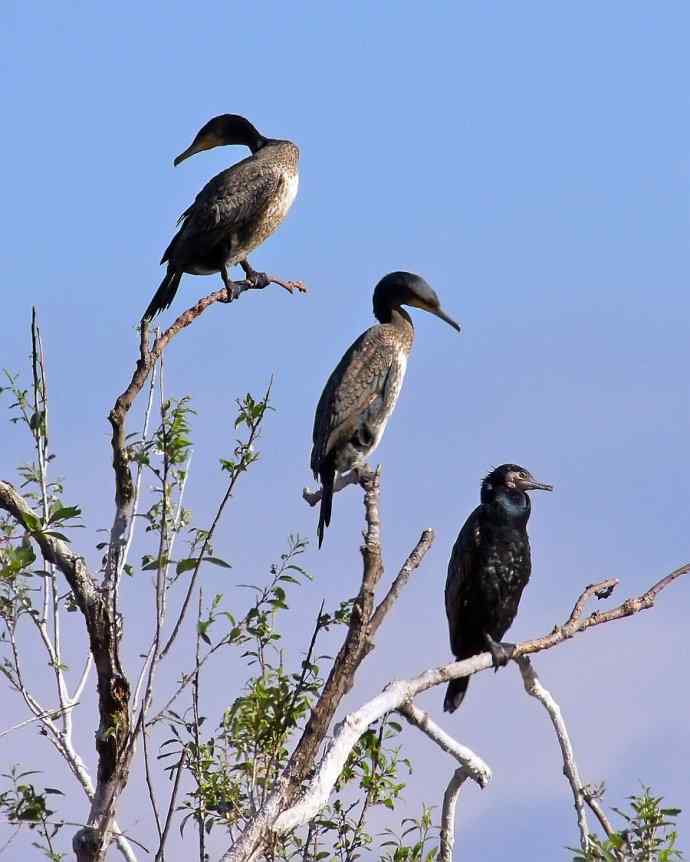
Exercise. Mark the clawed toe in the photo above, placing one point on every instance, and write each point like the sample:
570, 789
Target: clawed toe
232, 291
501, 653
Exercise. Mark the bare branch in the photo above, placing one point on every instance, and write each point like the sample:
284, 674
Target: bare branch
411, 563
472, 765
450, 798
48, 713
342, 480
357, 643
535, 689
591, 796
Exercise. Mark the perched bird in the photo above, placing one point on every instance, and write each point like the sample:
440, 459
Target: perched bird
488, 570
361, 393
234, 212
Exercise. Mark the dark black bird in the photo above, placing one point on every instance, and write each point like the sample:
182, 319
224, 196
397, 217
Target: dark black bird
234, 212
361, 393
488, 570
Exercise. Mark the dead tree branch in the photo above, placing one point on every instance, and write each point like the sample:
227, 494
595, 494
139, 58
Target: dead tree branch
342, 480
450, 798
473, 766
535, 689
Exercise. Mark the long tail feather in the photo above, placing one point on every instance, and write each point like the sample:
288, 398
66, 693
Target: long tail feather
327, 479
165, 294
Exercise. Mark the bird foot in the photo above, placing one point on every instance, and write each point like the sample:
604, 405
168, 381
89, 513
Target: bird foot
501, 652
259, 280
233, 290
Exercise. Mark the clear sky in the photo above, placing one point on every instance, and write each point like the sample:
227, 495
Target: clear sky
531, 161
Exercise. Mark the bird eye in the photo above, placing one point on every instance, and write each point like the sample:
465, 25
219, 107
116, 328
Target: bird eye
522, 474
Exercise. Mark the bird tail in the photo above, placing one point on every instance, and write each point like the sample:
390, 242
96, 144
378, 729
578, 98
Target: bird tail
455, 693
327, 479
164, 295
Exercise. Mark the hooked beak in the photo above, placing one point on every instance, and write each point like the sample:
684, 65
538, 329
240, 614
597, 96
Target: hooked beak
533, 485
195, 147
439, 312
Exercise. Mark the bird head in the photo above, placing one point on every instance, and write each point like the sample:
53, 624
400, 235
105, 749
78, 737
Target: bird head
514, 478
406, 288
221, 131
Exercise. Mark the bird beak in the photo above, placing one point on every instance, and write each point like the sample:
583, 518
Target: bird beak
533, 485
439, 312
197, 146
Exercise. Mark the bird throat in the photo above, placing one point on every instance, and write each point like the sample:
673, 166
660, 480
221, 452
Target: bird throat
514, 506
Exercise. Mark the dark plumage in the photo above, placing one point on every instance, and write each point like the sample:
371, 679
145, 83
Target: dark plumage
234, 212
488, 570
361, 393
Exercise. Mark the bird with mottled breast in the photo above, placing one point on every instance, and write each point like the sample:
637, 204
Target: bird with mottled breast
488, 570
362, 391
235, 211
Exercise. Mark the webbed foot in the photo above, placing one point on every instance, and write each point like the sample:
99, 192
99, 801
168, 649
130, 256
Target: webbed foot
501, 652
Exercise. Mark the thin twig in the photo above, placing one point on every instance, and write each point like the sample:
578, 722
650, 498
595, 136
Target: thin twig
209, 535
149, 781
171, 807
201, 817
48, 713
409, 566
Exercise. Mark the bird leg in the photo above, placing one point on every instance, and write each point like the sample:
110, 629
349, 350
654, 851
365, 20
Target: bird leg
232, 289
259, 280
501, 652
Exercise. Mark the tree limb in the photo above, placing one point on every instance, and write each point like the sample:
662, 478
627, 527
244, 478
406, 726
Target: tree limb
450, 798
472, 765
535, 689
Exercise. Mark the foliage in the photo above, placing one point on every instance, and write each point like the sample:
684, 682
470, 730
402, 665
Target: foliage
26, 807
648, 835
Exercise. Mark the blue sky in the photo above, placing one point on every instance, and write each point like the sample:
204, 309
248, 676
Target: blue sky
531, 161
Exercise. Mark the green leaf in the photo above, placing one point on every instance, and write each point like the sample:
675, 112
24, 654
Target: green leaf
63, 513
54, 535
31, 522
185, 565
216, 561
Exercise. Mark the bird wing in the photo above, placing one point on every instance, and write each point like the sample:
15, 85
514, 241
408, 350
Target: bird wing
460, 586
365, 374
228, 203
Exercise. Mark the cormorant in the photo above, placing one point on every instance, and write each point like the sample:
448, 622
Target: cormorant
488, 570
234, 212
361, 393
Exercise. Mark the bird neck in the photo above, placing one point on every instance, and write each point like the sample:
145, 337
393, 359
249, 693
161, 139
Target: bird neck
509, 506
394, 314
255, 142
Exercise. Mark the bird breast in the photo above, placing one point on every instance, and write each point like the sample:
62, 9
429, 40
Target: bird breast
376, 417
271, 218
